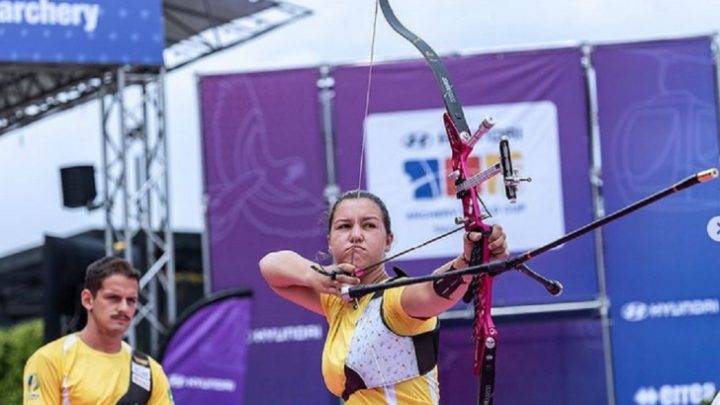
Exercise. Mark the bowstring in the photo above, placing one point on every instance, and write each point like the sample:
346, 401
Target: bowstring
367, 109
367, 93
362, 149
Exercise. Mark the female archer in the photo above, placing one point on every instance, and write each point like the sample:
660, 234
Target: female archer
381, 348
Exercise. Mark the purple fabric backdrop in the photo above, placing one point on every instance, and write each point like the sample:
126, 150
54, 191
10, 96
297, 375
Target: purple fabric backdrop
658, 125
205, 359
264, 173
542, 362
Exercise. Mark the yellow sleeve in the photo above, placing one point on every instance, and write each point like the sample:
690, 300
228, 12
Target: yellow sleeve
42, 379
398, 320
329, 305
161, 393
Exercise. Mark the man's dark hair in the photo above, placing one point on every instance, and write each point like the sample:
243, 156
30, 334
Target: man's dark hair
103, 268
360, 194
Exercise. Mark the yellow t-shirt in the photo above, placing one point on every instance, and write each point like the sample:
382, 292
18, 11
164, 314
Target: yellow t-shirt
342, 318
93, 377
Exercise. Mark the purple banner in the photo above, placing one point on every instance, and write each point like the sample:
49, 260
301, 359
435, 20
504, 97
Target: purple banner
205, 358
264, 175
658, 124
544, 362
544, 88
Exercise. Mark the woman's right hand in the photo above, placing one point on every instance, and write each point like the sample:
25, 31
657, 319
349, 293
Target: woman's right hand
324, 284
291, 276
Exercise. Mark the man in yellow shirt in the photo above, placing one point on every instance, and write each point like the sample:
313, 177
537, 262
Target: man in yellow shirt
95, 366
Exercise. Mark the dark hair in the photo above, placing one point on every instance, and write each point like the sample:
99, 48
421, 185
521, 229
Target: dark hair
103, 268
361, 194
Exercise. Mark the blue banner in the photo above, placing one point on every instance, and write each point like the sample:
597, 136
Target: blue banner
81, 32
658, 124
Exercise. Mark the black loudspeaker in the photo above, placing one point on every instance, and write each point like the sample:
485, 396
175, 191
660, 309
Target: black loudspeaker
64, 262
78, 186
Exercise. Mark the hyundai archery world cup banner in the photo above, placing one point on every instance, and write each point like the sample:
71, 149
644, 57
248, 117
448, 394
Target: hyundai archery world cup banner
537, 100
658, 125
81, 31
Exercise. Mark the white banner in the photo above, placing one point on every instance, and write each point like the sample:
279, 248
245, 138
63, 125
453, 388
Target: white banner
407, 157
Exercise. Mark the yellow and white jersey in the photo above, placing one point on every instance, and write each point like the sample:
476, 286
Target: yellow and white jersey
377, 353
69, 372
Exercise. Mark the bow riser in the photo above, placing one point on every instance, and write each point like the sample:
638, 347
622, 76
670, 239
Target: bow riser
486, 346
484, 331
472, 214
486, 336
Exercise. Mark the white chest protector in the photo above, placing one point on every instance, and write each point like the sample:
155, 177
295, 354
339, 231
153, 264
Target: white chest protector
379, 357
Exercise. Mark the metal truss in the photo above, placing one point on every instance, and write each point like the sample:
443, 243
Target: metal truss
29, 94
136, 195
135, 163
194, 29
222, 34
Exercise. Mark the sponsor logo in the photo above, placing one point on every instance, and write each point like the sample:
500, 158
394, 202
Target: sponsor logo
636, 311
408, 160
425, 177
282, 334
181, 381
428, 177
421, 139
675, 394
33, 382
33, 387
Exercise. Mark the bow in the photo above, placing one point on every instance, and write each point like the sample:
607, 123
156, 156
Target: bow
462, 142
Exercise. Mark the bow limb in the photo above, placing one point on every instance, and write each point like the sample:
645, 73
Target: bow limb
452, 105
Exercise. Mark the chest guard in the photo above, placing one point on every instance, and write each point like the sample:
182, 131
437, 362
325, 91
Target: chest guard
379, 357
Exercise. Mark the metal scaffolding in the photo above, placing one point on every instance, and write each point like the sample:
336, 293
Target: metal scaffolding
136, 194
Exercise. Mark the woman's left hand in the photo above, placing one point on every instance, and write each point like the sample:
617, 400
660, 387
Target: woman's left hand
498, 245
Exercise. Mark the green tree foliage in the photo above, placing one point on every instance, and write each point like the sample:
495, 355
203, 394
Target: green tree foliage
17, 344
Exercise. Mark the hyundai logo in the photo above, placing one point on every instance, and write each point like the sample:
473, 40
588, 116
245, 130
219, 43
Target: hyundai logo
634, 311
418, 140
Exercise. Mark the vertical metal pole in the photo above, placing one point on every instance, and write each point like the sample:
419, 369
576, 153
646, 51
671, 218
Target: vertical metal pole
107, 203
169, 240
205, 237
146, 217
599, 211
326, 84
123, 153
205, 241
